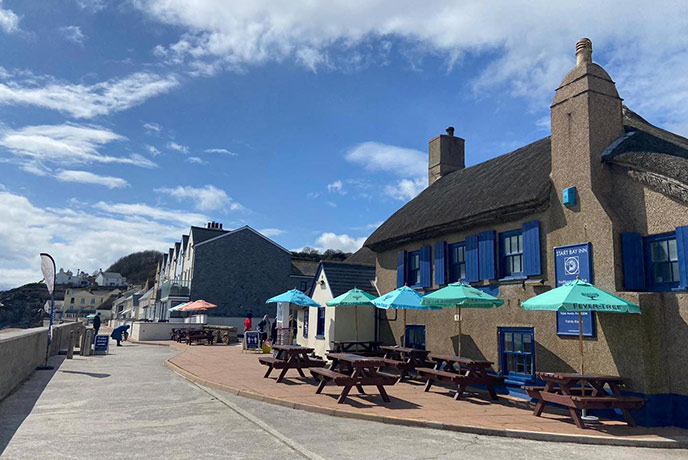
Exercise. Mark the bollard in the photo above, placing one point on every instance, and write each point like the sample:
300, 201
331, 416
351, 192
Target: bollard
89, 343
82, 343
70, 346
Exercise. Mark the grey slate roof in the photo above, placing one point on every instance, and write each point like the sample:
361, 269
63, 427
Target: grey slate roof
304, 267
507, 186
185, 241
343, 277
363, 256
201, 234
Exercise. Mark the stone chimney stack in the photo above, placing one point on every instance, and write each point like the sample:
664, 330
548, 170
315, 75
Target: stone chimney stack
446, 155
586, 117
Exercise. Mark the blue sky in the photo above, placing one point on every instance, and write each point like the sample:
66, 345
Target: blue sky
122, 123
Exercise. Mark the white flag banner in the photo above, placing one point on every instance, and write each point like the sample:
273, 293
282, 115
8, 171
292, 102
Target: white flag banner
48, 269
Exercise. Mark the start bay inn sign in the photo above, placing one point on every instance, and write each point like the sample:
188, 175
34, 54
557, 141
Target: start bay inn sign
571, 262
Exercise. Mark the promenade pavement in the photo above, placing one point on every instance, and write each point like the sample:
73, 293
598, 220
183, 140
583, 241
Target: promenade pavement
128, 405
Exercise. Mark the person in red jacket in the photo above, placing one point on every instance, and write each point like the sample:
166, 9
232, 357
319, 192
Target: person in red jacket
248, 324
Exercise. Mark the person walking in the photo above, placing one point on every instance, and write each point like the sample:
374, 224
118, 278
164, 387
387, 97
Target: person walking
118, 332
96, 324
248, 324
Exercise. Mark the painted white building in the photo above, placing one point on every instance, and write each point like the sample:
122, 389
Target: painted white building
317, 327
70, 279
110, 279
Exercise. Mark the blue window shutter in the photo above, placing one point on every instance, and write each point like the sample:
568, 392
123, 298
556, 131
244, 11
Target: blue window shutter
472, 258
440, 262
682, 253
633, 261
486, 252
531, 248
425, 264
401, 268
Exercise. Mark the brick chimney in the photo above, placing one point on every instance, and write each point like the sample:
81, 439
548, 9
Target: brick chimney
446, 155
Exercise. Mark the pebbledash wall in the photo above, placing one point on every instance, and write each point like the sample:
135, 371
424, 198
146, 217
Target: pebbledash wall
24, 350
624, 210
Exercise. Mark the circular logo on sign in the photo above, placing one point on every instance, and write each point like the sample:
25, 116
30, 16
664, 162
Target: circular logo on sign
572, 266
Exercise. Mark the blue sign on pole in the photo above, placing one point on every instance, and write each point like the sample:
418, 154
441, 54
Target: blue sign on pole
571, 262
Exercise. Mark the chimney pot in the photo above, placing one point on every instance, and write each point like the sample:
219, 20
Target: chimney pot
450, 131
583, 51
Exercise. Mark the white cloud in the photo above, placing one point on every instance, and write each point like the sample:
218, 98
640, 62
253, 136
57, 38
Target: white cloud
81, 100
73, 34
406, 189
65, 145
196, 160
92, 5
9, 21
409, 164
152, 127
141, 210
178, 147
86, 177
376, 157
208, 198
344, 242
152, 150
270, 232
225, 151
525, 57
80, 236
336, 186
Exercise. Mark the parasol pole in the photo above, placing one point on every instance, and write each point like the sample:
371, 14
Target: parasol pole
403, 332
356, 313
460, 330
580, 341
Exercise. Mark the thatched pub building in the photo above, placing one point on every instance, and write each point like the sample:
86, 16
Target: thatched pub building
604, 198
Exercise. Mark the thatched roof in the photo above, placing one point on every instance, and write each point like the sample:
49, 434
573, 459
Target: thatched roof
508, 186
651, 155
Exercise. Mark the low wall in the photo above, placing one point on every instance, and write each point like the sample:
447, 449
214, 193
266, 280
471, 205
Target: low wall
143, 331
22, 351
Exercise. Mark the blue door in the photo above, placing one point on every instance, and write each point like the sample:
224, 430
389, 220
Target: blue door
415, 337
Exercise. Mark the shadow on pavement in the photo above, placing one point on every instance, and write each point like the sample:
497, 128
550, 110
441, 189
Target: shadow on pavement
90, 374
18, 405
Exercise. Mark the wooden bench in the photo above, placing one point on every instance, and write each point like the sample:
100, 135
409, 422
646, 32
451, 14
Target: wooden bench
576, 391
199, 337
460, 380
290, 357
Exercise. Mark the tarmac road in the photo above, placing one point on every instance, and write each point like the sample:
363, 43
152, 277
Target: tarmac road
128, 405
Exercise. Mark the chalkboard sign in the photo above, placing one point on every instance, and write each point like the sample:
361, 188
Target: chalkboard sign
252, 340
101, 343
571, 262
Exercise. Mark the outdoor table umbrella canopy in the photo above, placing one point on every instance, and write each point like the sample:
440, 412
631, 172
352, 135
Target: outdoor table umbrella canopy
461, 295
352, 298
294, 296
196, 305
403, 298
579, 296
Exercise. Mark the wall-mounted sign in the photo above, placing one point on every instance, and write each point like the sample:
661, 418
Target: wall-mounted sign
571, 262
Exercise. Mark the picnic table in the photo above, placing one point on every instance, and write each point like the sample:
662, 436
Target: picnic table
404, 359
582, 391
290, 357
359, 347
462, 372
199, 336
349, 370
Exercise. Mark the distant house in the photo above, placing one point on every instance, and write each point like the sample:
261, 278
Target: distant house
110, 279
126, 305
58, 309
81, 302
68, 278
317, 327
146, 305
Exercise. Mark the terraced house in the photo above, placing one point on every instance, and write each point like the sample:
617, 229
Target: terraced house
604, 198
